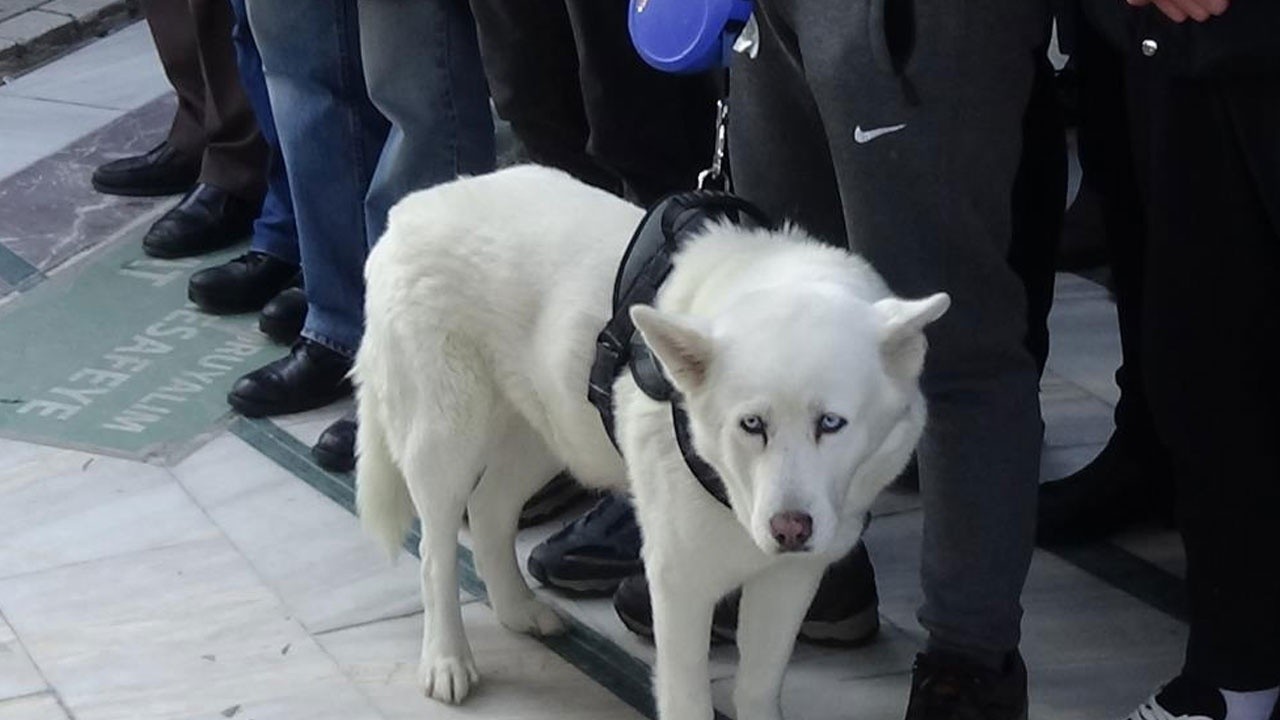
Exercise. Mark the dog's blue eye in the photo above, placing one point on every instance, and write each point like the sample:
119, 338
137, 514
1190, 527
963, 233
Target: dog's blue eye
752, 424
830, 423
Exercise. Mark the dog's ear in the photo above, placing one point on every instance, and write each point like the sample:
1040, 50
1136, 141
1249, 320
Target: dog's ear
902, 343
680, 344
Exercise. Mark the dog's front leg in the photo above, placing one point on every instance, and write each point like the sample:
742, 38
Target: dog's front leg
682, 635
773, 606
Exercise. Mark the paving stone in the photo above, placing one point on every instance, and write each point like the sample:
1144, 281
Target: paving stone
10, 8
85, 10
35, 25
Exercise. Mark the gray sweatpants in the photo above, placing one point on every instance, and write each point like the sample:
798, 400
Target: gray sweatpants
902, 138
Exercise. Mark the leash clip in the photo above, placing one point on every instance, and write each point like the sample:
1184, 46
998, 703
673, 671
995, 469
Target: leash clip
713, 178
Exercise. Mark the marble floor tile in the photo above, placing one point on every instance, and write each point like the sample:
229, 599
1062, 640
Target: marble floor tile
1058, 462
187, 631
32, 707
49, 211
33, 129
225, 470
1081, 421
18, 676
520, 678
307, 426
805, 697
59, 507
1085, 347
118, 72
312, 552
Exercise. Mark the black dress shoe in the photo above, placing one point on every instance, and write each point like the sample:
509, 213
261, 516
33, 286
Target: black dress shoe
283, 316
335, 451
1123, 486
240, 285
208, 218
310, 376
162, 170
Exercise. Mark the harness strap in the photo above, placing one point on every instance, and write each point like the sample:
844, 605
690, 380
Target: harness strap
645, 266
708, 478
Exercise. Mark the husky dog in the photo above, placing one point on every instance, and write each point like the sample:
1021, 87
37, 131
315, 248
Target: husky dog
798, 369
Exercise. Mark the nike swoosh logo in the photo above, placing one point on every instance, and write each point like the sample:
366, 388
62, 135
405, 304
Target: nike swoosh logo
862, 137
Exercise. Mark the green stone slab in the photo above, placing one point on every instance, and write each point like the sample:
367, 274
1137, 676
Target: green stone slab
110, 356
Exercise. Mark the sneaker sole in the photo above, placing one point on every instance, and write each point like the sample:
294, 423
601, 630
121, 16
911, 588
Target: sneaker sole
850, 632
585, 587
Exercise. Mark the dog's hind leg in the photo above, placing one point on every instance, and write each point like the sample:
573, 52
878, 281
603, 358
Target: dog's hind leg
518, 466
773, 606
442, 470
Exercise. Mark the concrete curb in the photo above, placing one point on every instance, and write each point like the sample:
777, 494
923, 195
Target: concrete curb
37, 34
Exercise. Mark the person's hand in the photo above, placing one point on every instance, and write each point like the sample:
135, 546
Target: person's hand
1180, 10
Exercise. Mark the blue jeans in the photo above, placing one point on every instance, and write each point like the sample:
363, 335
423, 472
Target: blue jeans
274, 232
372, 99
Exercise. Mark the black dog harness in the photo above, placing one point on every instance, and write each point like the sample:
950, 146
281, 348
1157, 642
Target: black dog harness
645, 265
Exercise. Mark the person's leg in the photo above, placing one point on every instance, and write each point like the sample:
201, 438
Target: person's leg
1131, 478
1039, 204
1209, 314
248, 282
174, 165
274, 232
331, 136
422, 68
235, 155
653, 129
532, 66
924, 124
174, 31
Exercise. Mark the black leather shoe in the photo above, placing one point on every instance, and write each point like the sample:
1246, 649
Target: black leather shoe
208, 218
240, 285
310, 376
335, 451
162, 170
283, 316
1123, 486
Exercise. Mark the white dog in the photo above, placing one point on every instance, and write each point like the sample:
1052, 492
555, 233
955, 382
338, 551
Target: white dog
798, 368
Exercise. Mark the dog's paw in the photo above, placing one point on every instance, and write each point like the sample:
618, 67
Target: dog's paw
448, 678
532, 617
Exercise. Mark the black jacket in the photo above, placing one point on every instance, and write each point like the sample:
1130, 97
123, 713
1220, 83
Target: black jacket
1243, 41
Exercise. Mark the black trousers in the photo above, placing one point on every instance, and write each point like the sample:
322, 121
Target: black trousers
565, 75
1201, 265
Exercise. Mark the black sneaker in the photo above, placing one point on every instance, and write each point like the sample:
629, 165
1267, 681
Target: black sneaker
844, 611
557, 496
594, 553
944, 688
1183, 699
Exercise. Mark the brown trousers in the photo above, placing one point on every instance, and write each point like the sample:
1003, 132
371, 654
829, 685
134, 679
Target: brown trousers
214, 119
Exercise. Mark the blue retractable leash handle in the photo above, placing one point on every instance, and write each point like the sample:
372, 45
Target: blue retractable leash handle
686, 36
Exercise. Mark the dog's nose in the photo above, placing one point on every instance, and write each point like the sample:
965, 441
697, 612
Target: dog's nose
791, 530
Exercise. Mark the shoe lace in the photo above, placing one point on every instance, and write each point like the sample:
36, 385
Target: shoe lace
251, 258
947, 690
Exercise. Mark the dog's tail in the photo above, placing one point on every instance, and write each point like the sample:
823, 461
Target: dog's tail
382, 497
